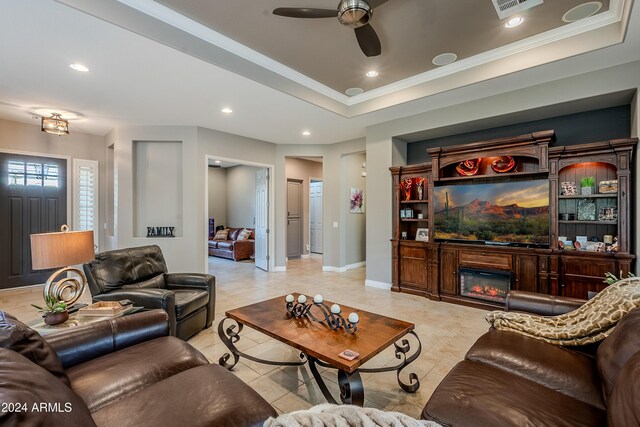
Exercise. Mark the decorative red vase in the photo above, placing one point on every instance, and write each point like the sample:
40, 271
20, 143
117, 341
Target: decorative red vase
52, 319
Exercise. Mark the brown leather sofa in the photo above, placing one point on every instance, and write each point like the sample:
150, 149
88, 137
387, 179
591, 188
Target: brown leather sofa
509, 379
232, 248
140, 275
125, 371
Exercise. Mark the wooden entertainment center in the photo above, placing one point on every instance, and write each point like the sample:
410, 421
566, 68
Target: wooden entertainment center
480, 273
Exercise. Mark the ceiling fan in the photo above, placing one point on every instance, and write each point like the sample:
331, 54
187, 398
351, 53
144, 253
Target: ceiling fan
351, 13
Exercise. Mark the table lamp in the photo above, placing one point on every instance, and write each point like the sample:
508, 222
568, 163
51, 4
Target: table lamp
62, 249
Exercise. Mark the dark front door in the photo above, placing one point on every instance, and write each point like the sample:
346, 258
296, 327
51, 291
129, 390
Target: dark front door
33, 199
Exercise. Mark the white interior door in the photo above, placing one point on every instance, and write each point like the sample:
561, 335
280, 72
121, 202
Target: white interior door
262, 219
315, 216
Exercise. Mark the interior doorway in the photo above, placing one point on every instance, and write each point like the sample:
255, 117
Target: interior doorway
294, 218
304, 176
315, 217
237, 198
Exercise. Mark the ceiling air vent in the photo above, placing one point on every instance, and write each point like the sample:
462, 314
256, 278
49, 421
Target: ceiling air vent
507, 8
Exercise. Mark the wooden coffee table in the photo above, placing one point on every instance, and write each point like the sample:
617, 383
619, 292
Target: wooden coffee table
320, 345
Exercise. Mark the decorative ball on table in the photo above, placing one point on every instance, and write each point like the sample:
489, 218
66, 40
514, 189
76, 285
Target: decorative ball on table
318, 299
289, 298
335, 309
302, 299
353, 318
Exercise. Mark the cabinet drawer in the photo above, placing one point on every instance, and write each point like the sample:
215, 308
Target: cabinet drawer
413, 252
486, 260
588, 267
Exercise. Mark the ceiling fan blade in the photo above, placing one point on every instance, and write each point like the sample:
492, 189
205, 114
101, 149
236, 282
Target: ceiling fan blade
368, 40
375, 3
304, 12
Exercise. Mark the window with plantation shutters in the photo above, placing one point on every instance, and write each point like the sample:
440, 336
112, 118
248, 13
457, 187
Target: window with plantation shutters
85, 200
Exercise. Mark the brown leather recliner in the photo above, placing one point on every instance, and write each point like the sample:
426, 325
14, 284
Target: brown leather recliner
125, 371
140, 275
508, 379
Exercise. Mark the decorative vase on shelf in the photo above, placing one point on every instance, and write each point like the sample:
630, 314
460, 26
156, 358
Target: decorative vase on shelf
406, 187
56, 318
419, 187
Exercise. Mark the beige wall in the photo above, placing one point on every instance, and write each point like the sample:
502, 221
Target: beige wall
333, 203
181, 253
354, 235
28, 138
303, 170
218, 195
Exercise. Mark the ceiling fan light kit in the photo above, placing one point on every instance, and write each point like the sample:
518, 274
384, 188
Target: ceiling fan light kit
354, 13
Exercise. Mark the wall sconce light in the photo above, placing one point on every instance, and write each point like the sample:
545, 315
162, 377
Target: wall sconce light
55, 125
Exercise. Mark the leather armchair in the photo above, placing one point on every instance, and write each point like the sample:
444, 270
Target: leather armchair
118, 372
140, 275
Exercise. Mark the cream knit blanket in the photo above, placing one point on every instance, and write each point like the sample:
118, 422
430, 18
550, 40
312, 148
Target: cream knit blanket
328, 415
590, 323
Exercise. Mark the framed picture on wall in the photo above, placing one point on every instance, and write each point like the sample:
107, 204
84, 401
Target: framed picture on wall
356, 201
422, 235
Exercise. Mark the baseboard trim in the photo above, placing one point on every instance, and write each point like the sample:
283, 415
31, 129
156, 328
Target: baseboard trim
355, 265
279, 269
376, 284
26, 287
345, 268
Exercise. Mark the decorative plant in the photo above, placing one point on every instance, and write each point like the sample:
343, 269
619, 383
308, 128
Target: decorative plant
588, 181
52, 305
611, 278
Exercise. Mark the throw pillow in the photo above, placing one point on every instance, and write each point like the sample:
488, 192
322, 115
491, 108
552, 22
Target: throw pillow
16, 336
35, 398
222, 234
244, 234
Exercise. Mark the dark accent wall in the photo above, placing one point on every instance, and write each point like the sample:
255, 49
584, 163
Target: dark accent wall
579, 128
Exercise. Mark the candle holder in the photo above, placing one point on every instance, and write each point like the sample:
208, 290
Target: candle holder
330, 315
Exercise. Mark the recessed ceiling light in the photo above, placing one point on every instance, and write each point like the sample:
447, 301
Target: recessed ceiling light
306, 133
372, 73
514, 22
353, 91
582, 11
217, 162
79, 67
444, 59
227, 110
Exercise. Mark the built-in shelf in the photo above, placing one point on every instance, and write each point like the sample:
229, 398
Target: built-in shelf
589, 222
497, 175
592, 196
413, 201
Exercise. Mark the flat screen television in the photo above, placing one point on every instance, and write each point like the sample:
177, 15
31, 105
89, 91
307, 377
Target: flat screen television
505, 213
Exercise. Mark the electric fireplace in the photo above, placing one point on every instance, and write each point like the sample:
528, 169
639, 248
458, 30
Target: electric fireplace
486, 285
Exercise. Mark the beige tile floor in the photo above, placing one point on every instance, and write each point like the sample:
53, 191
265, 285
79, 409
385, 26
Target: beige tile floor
445, 330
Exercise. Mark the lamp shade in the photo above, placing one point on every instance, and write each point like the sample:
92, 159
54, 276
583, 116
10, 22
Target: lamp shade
52, 250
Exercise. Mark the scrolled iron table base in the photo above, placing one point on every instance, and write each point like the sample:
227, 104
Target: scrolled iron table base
350, 384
